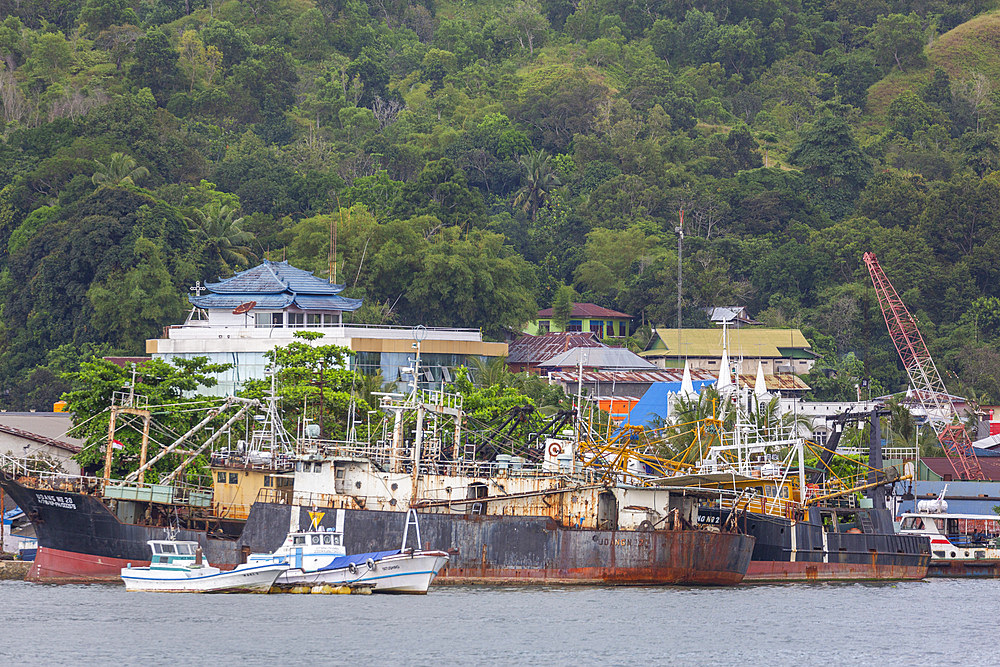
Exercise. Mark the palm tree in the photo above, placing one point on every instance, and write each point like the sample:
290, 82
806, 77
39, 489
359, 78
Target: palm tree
491, 373
366, 385
222, 235
120, 169
538, 182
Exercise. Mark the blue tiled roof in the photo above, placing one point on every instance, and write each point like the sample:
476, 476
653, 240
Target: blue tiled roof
268, 301
327, 303
274, 278
275, 286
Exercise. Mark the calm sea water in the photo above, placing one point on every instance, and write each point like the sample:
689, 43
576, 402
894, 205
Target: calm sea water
914, 623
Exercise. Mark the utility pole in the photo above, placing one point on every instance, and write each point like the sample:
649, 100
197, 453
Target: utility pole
680, 275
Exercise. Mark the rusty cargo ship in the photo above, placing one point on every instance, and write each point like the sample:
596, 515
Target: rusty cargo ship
507, 520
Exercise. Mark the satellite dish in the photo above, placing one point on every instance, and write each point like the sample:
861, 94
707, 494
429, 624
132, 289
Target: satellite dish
244, 307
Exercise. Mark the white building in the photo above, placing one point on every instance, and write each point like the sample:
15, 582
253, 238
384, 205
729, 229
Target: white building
41, 434
242, 317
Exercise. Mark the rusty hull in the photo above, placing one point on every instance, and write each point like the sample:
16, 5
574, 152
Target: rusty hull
531, 550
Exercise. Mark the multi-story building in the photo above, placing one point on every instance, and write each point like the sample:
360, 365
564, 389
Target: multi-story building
585, 317
780, 351
240, 318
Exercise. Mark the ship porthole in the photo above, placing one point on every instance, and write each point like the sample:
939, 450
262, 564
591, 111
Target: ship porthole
392, 502
394, 486
357, 485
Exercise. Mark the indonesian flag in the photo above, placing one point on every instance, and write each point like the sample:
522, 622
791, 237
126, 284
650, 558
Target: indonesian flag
116, 444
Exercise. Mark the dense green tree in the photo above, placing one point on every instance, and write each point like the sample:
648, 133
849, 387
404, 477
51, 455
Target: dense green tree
898, 41
155, 65
98, 15
441, 191
173, 385
829, 153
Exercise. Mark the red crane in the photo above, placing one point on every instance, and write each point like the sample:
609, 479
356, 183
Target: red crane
928, 387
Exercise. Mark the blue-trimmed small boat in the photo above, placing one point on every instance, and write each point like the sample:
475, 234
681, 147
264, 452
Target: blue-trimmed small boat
177, 567
318, 557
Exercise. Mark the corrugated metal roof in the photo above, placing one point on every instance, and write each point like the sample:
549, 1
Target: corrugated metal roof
609, 358
773, 382
588, 310
274, 278
780, 382
751, 343
535, 349
942, 466
47, 428
628, 377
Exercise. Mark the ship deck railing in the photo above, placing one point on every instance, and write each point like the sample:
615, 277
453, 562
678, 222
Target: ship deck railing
30, 474
380, 454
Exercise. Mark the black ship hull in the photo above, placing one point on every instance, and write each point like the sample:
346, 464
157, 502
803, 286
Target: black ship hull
821, 548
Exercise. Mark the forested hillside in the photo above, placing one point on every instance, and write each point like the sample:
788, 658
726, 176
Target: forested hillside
474, 157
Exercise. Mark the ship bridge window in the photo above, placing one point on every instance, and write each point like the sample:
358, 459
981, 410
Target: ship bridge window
328, 539
167, 548
234, 478
222, 478
913, 523
315, 539
299, 539
267, 480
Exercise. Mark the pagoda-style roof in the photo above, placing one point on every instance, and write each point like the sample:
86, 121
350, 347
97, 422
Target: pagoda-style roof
274, 278
275, 286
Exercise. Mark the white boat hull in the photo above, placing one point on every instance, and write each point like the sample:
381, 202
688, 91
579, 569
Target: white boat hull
400, 573
258, 579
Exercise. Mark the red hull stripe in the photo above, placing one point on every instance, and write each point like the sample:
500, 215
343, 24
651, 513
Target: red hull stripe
783, 571
58, 566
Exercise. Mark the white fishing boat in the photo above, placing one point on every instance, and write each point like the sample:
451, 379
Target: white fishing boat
318, 557
178, 567
962, 545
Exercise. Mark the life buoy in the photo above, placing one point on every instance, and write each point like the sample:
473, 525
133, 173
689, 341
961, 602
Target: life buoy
353, 568
370, 563
555, 449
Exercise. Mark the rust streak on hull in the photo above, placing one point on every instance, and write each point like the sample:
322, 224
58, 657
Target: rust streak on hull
773, 571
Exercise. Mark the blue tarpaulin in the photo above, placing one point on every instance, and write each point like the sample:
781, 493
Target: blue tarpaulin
341, 562
653, 403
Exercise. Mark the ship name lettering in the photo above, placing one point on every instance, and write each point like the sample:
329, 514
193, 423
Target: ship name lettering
56, 501
623, 542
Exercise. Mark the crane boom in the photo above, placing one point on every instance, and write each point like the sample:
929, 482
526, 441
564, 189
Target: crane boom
925, 379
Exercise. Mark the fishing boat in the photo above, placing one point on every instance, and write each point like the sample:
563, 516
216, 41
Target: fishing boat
178, 566
318, 557
962, 545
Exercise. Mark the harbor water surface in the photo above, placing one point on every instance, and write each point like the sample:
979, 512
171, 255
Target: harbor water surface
913, 623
